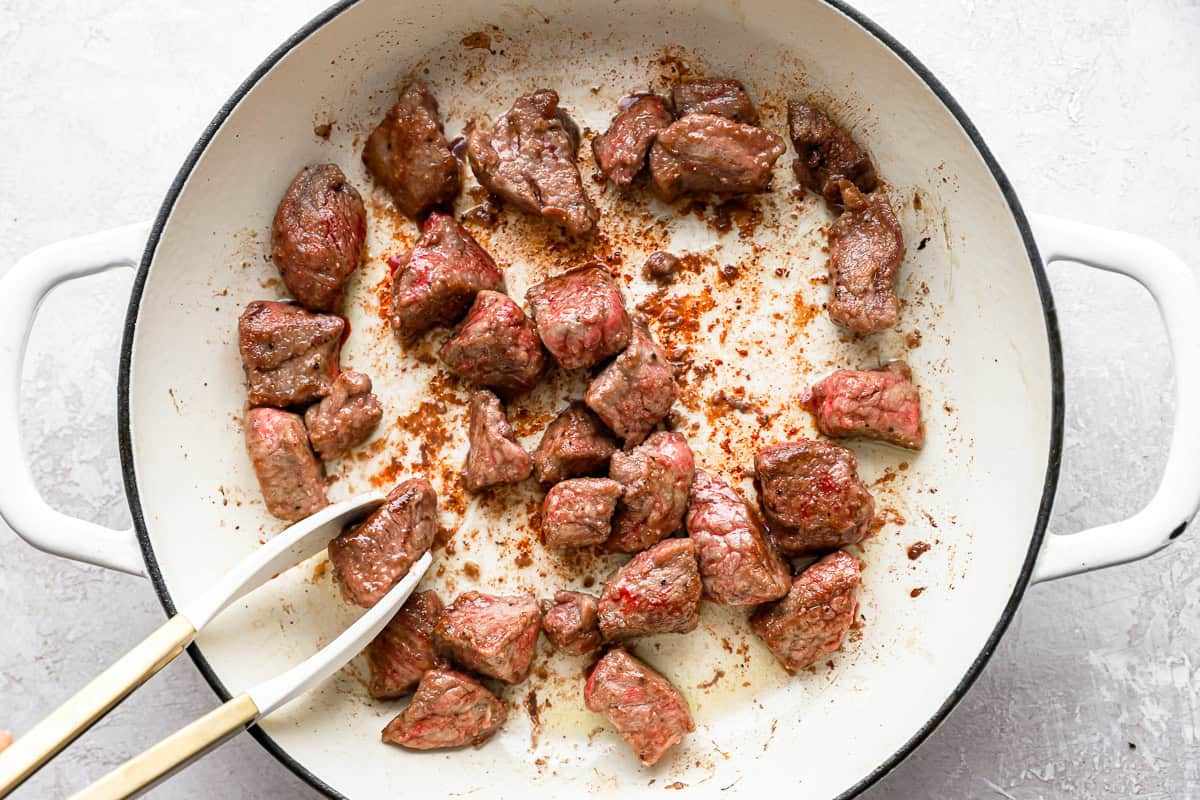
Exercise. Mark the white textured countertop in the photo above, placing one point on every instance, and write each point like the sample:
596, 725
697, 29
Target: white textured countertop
1093, 109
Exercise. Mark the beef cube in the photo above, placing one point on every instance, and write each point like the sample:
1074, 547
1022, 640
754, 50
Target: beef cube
403, 651
345, 418
495, 456
725, 98
409, 156
450, 709
658, 591
635, 392
739, 565
705, 153
814, 617
494, 636
655, 477
291, 478
621, 150
290, 355
648, 712
528, 159
436, 281
576, 443
578, 512
879, 404
865, 249
496, 346
318, 235
826, 154
580, 316
370, 558
812, 496
571, 623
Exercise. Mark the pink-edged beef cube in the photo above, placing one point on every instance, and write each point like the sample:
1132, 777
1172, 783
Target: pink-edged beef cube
494, 636
290, 356
621, 150
636, 391
403, 651
578, 512
878, 404
658, 591
648, 712
575, 444
571, 622
450, 709
580, 316
866, 246
495, 456
655, 477
290, 476
345, 418
496, 346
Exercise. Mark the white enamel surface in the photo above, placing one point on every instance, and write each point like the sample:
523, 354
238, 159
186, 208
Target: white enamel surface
982, 363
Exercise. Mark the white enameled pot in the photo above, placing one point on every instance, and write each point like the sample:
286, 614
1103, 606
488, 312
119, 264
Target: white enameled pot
978, 328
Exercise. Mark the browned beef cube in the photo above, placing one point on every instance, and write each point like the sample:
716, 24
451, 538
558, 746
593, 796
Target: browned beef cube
879, 404
812, 496
291, 478
814, 617
496, 346
658, 591
739, 565
635, 392
578, 512
865, 249
571, 623
436, 282
648, 712
655, 477
494, 636
370, 558
725, 98
705, 153
826, 153
290, 355
580, 316
621, 150
576, 443
403, 651
408, 154
345, 418
528, 159
318, 235
495, 456
450, 709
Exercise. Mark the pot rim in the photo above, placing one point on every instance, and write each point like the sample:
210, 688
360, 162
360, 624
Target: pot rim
1054, 457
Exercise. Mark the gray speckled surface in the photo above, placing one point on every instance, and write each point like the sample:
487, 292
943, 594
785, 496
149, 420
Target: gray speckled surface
1093, 110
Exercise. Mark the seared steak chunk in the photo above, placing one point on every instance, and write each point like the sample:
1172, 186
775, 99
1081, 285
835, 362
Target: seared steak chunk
290, 355
655, 477
403, 651
812, 496
812, 620
370, 558
879, 404
570, 622
345, 418
450, 709
409, 156
636, 390
649, 713
291, 478
621, 150
658, 591
578, 512
436, 282
580, 316
705, 153
494, 636
317, 239
826, 154
496, 346
739, 565
495, 456
528, 159
865, 248
575, 443
725, 98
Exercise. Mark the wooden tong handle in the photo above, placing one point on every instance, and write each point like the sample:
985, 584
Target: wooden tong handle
92, 702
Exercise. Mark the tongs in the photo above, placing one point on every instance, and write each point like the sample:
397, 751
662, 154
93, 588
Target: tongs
297, 543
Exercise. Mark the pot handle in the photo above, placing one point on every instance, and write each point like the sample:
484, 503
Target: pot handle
1177, 292
22, 290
